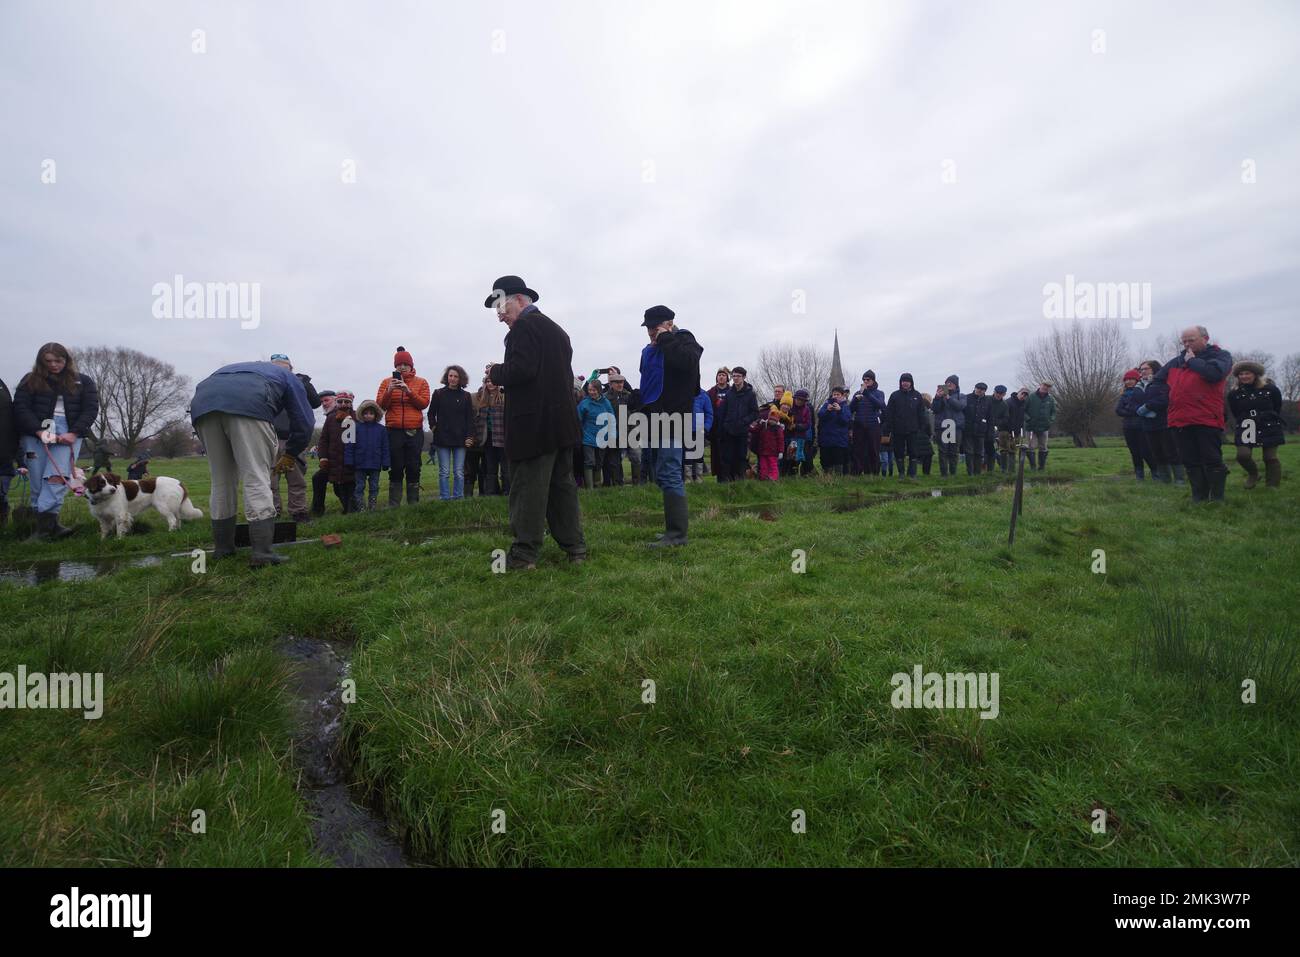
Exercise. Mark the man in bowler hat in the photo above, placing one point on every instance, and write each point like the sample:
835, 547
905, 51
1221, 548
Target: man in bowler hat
670, 381
541, 425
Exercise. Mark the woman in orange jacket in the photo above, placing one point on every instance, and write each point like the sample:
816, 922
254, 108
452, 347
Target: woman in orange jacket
404, 396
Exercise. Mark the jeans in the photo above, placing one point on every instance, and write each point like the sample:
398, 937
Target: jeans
668, 470
48, 495
367, 477
451, 472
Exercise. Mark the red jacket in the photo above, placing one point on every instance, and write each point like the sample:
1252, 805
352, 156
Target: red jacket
1196, 388
767, 440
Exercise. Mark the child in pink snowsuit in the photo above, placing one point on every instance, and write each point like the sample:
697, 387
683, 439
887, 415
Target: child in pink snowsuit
769, 443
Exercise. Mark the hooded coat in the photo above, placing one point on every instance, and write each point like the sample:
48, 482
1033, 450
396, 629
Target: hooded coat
1261, 402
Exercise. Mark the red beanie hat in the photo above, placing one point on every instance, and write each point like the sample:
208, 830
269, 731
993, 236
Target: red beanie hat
1132, 374
403, 357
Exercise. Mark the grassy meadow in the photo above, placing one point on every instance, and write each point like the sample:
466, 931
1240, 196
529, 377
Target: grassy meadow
519, 699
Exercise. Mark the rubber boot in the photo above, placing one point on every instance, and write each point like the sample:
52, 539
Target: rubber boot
1252, 472
1273, 473
676, 519
412, 493
1196, 478
394, 494
1180, 475
48, 527
262, 534
223, 537
1042, 460
1215, 482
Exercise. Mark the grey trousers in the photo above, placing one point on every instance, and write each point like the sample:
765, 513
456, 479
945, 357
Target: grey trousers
240, 451
543, 494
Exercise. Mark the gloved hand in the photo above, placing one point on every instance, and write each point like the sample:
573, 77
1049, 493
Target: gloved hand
284, 464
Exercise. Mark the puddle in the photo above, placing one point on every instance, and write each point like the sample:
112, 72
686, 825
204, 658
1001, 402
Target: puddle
31, 574
348, 833
960, 491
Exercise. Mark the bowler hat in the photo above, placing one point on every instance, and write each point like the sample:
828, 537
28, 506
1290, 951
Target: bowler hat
509, 286
657, 315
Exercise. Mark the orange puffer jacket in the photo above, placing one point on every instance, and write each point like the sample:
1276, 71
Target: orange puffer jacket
402, 409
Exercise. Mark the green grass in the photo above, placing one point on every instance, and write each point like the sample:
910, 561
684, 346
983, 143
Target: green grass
523, 693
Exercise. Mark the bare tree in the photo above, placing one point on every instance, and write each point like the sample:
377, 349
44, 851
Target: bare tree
1288, 376
138, 394
795, 367
174, 440
1084, 361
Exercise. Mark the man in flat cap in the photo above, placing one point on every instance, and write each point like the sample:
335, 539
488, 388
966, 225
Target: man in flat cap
541, 425
670, 381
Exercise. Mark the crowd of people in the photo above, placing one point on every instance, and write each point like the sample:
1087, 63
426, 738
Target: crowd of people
534, 432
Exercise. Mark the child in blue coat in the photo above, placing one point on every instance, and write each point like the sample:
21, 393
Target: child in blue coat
368, 455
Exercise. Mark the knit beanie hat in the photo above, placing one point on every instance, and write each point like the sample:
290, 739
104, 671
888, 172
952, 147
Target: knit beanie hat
906, 377
1133, 374
403, 358
952, 380
339, 396
868, 375
787, 398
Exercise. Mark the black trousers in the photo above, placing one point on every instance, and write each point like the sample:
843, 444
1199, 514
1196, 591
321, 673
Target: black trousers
866, 449
404, 456
1200, 446
1160, 443
347, 495
320, 481
612, 467
494, 462
1139, 450
735, 457
835, 460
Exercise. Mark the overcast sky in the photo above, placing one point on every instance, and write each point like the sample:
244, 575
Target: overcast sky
915, 173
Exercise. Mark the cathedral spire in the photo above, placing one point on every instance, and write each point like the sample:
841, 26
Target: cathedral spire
837, 372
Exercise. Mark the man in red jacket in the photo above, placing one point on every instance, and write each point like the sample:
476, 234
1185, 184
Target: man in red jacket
1197, 380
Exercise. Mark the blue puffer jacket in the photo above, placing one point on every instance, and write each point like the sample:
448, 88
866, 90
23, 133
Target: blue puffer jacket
370, 450
1155, 398
1127, 409
867, 407
257, 390
833, 427
703, 407
591, 413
